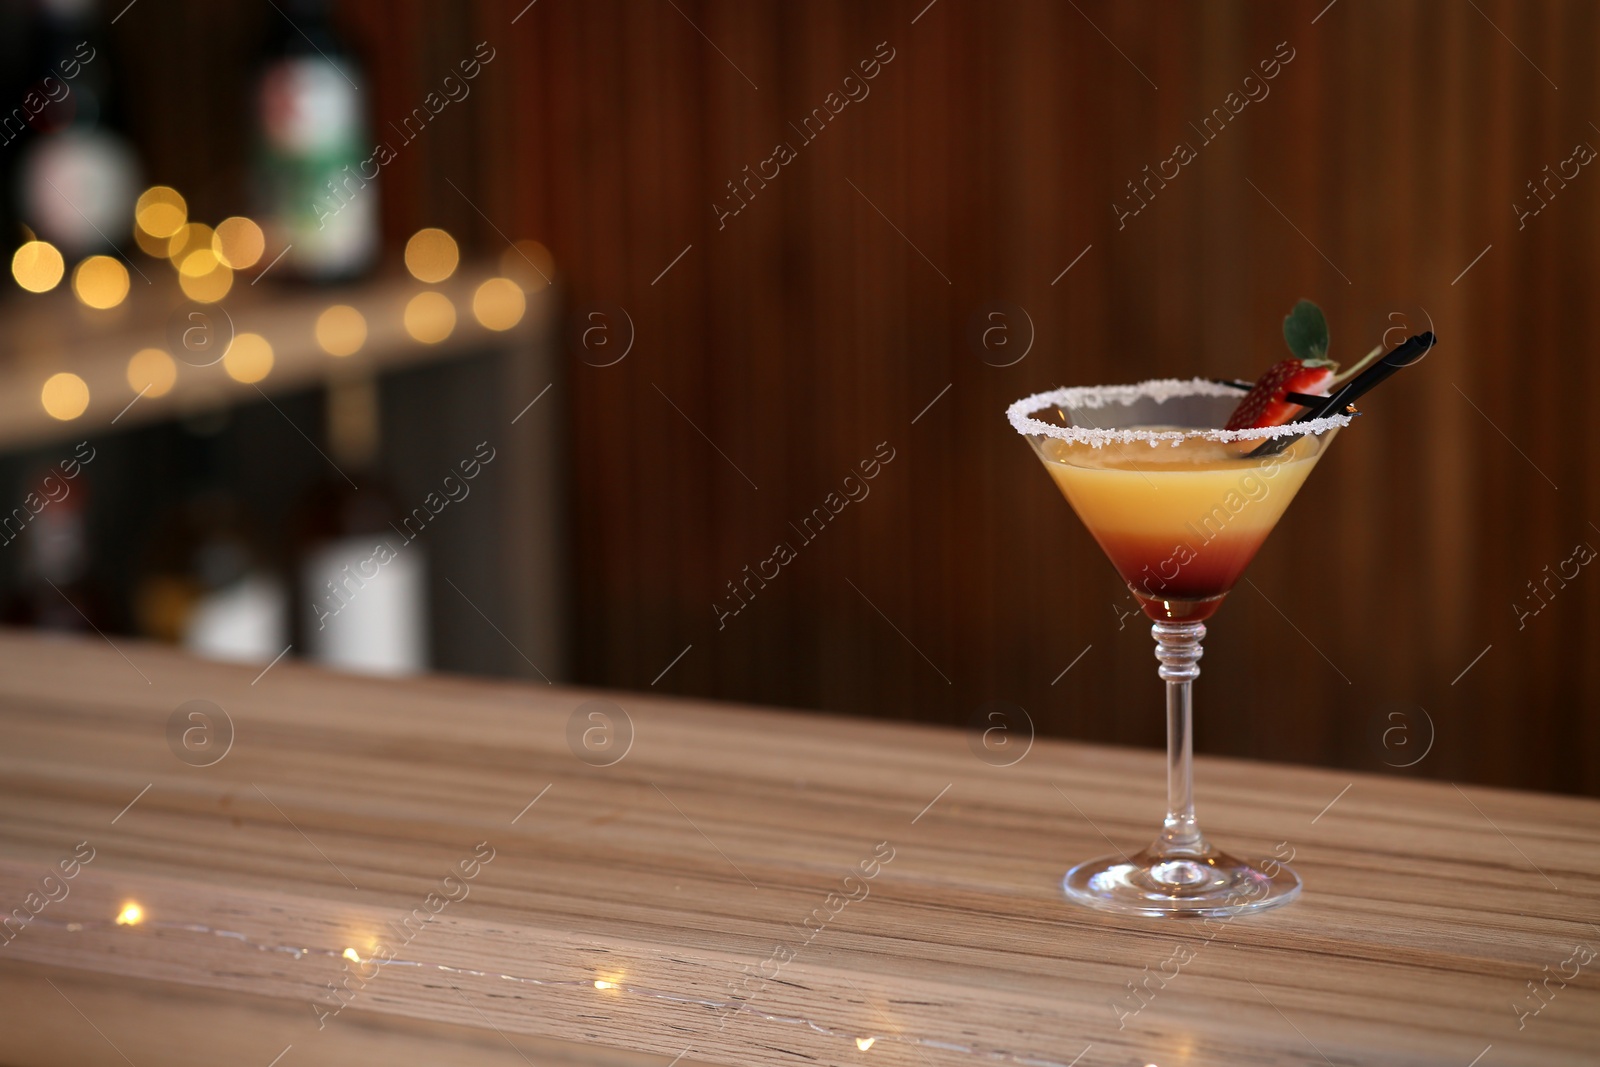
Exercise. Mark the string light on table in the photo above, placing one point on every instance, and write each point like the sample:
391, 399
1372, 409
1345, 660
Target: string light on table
132, 914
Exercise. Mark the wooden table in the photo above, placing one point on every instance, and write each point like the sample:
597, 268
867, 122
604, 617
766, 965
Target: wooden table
627, 908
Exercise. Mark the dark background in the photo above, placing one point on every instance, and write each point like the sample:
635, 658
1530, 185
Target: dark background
784, 346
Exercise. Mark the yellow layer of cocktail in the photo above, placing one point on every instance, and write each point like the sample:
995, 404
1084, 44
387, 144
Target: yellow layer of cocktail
1179, 523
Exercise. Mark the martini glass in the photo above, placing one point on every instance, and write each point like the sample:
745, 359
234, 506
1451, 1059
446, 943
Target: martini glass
1180, 507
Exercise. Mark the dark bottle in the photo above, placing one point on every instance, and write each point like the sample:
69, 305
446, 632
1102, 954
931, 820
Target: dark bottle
50, 532
77, 175
204, 582
17, 57
314, 170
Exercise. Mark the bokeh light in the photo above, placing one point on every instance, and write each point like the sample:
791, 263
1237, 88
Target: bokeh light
65, 396
37, 266
151, 372
131, 914
100, 282
203, 276
160, 211
430, 317
189, 238
529, 264
248, 359
341, 330
239, 242
499, 304
150, 246
431, 255
199, 263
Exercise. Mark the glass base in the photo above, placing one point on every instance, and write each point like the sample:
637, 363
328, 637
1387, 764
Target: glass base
1211, 883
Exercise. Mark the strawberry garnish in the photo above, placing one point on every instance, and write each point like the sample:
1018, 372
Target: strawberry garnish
1265, 405
1309, 372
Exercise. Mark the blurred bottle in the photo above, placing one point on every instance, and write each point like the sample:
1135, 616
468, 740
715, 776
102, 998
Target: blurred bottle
314, 166
57, 590
362, 581
16, 56
77, 177
204, 583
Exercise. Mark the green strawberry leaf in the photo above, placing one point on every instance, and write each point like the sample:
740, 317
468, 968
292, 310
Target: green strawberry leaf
1306, 331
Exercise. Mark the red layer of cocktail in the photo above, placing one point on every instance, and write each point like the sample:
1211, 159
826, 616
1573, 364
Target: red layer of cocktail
1179, 523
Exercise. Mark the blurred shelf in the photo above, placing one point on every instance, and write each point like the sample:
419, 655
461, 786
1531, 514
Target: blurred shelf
46, 334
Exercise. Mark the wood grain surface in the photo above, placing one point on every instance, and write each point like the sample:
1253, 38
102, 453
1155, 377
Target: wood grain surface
677, 901
49, 1012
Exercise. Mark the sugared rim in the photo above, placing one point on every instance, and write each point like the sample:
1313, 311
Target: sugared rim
1158, 389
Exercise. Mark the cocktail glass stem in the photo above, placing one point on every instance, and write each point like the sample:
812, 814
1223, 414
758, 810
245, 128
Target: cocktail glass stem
1181, 873
1178, 649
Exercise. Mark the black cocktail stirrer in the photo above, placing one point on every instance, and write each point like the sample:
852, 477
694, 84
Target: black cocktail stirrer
1409, 352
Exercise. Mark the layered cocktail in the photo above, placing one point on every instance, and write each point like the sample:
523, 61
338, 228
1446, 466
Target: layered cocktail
1180, 482
1180, 524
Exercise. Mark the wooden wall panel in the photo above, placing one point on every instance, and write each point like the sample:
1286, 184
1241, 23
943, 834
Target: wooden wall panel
809, 328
